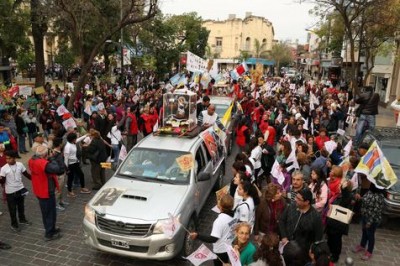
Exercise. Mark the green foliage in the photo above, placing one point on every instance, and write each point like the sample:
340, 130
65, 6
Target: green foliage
281, 54
166, 37
65, 57
25, 59
14, 25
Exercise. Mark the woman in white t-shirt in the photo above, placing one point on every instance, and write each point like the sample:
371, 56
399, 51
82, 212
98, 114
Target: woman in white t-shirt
116, 138
245, 210
222, 232
255, 157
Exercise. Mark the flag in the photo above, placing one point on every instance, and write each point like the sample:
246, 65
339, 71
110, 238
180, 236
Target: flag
292, 159
276, 172
234, 75
233, 256
377, 168
242, 68
227, 115
171, 226
347, 148
174, 80
201, 255
62, 110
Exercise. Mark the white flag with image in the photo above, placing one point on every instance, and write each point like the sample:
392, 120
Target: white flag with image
171, 226
233, 256
347, 148
276, 172
292, 159
201, 255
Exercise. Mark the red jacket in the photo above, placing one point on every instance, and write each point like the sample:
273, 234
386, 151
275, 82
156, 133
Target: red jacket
40, 182
320, 141
241, 136
133, 130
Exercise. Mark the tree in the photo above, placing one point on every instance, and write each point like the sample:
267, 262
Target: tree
166, 37
352, 13
281, 54
89, 24
13, 42
65, 58
380, 26
259, 48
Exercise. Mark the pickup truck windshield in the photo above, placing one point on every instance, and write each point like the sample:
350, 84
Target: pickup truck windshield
154, 166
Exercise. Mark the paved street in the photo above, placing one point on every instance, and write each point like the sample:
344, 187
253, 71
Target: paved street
29, 248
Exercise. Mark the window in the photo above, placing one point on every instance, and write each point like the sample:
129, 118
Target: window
247, 45
218, 41
200, 160
264, 42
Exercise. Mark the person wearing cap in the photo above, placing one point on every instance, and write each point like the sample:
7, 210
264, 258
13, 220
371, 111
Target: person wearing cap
44, 185
301, 223
38, 140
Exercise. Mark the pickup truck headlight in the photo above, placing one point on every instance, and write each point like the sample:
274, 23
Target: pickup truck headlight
90, 214
158, 228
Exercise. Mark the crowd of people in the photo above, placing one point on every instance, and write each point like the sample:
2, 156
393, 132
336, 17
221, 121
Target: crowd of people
285, 178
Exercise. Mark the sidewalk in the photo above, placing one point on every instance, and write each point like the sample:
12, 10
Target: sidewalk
385, 118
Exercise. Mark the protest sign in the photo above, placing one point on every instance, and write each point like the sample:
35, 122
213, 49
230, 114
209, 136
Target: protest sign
62, 110
25, 90
40, 90
69, 123
195, 63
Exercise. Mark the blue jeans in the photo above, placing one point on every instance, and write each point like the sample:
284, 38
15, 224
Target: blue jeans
21, 143
115, 150
49, 214
368, 236
370, 119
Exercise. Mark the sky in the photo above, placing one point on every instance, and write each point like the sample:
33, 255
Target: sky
289, 18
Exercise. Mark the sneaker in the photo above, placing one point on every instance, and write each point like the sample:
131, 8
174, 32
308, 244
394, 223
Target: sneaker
15, 228
63, 204
60, 208
25, 222
85, 191
71, 195
366, 256
357, 249
52, 237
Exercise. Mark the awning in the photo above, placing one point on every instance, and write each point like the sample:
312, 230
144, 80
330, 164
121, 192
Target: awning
265, 62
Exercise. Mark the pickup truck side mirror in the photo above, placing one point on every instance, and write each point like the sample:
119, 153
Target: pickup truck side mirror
203, 176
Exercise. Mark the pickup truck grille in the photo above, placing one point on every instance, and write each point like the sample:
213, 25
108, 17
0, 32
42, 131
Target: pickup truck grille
119, 227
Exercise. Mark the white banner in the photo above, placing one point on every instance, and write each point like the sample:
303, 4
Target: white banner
127, 57
195, 63
25, 90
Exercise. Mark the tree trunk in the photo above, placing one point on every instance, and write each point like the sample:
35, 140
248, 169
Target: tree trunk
39, 29
353, 69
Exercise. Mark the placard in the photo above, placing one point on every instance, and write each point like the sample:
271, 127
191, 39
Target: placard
25, 90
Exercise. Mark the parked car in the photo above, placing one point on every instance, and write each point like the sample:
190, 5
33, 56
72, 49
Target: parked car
390, 146
125, 217
222, 105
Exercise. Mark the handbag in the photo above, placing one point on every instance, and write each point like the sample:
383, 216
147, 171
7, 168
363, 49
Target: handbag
25, 129
340, 214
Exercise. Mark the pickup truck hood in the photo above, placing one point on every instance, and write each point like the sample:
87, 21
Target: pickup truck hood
144, 201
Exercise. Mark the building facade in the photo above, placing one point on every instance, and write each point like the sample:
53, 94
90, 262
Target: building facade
229, 37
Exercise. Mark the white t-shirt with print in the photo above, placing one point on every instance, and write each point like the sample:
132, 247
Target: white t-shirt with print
221, 229
13, 175
244, 212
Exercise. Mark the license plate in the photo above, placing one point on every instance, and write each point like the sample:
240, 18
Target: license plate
119, 243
